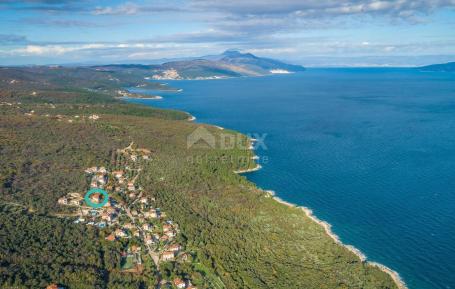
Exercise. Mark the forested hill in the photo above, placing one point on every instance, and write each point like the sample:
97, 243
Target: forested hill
55, 122
231, 63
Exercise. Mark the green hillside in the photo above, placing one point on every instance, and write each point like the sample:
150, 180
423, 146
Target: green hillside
237, 235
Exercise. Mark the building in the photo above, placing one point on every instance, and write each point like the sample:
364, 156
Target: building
63, 201
167, 228
74, 202
96, 198
85, 211
111, 237
54, 286
147, 227
148, 240
151, 214
167, 256
128, 226
120, 233
118, 174
170, 234
175, 248
91, 170
179, 283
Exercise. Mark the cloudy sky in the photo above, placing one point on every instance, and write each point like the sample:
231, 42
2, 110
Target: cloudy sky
310, 32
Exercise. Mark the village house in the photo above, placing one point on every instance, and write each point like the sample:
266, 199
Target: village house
144, 151
54, 286
151, 214
111, 237
135, 249
106, 216
170, 234
175, 248
96, 198
167, 228
167, 256
101, 178
120, 233
147, 227
63, 201
148, 240
75, 195
74, 202
91, 170
94, 117
81, 219
179, 283
128, 226
131, 186
85, 211
118, 174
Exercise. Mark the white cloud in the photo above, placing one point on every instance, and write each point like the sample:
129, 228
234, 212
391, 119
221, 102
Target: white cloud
124, 9
42, 50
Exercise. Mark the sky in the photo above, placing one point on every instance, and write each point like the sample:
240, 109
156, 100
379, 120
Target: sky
308, 32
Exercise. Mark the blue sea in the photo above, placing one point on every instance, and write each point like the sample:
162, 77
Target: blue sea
371, 151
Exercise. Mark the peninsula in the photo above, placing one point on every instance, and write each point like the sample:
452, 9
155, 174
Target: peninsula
178, 216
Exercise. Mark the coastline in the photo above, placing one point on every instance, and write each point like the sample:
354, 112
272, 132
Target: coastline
256, 168
151, 97
328, 230
327, 226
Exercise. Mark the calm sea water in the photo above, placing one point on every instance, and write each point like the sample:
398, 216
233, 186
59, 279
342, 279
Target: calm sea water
371, 151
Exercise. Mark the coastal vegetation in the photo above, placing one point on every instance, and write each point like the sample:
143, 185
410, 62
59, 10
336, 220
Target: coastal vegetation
56, 123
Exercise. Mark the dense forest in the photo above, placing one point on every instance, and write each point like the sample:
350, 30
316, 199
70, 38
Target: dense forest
239, 236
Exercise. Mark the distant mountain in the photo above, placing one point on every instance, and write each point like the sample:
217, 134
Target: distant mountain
447, 67
231, 63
